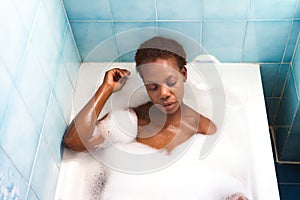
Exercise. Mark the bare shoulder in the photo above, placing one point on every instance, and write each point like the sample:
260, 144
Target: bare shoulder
205, 125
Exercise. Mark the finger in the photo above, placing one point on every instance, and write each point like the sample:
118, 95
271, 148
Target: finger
120, 74
122, 80
124, 72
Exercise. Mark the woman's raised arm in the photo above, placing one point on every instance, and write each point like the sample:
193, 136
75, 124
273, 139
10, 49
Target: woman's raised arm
78, 136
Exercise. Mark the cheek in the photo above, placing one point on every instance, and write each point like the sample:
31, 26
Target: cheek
153, 96
178, 91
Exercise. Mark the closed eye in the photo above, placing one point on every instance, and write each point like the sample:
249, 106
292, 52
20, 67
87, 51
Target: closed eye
151, 86
171, 83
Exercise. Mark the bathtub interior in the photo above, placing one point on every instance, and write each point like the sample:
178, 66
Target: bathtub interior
243, 149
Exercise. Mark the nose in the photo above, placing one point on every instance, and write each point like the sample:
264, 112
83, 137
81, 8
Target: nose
164, 92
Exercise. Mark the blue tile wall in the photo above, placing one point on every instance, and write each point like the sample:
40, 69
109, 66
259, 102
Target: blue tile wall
91, 10
265, 41
12, 183
224, 39
39, 62
179, 10
244, 31
270, 9
90, 34
45, 167
225, 10
272, 104
133, 10
292, 39
296, 68
288, 176
288, 104
288, 115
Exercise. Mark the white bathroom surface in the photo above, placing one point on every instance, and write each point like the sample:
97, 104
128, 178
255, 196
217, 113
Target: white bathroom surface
240, 79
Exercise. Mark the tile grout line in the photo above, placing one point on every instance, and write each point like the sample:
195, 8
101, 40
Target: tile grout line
156, 17
295, 50
246, 30
276, 80
274, 143
287, 41
33, 166
201, 29
71, 31
37, 150
15, 167
114, 31
180, 20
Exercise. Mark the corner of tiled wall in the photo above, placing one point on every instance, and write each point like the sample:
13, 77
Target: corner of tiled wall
287, 127
39, 62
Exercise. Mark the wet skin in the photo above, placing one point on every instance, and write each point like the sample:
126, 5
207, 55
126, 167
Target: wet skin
165, 122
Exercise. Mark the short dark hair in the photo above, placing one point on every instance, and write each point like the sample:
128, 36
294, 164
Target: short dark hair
160, 48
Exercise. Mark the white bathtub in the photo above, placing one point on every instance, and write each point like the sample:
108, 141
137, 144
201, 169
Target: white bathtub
241, 78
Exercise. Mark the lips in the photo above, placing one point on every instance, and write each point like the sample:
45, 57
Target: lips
168, 105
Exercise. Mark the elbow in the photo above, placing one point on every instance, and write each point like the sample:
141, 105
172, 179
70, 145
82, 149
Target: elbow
212, 129
72, 141
74, 145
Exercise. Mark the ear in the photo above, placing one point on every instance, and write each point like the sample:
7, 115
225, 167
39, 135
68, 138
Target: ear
183, 71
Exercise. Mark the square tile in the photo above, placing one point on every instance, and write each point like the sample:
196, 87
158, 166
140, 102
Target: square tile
297, 11
97, 37
12, 184
19, 136
44, 169
83, 10
71, 58
128, 57
54, 128
224, 39
63, 92
57, 18
27, 12
296, 69
133, 10
130, 35
281, 79
290, 151
32, 195
34, 87
270, 9
269, 75
188, 39
272, 107
6, 88
287, 173
14, 38
190, 30
265, 41
46, 50
225, 9
295, 129
289, 191
291, 43
105, 51
281, 134
288, 104
179, 10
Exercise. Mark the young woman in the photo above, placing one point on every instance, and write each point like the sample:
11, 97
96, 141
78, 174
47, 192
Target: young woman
166, 121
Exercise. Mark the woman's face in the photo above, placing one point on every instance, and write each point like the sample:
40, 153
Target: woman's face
164, 83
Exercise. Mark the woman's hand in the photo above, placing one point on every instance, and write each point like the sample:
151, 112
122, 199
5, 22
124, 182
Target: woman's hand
116, 78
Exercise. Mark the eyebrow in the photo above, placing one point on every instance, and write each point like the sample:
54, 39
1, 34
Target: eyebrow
150, 82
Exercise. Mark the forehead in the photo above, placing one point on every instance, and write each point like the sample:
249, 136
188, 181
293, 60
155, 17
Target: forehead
159, 70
